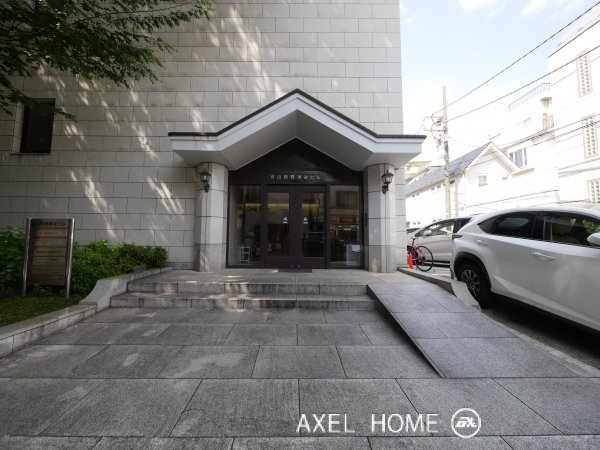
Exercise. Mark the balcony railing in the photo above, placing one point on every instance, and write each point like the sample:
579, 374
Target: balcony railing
547, 122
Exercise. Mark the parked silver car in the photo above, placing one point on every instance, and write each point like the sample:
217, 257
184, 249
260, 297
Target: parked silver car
437, 237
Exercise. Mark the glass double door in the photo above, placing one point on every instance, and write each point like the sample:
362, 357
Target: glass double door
295, 227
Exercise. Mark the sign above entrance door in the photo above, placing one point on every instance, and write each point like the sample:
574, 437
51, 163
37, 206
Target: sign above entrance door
296, 177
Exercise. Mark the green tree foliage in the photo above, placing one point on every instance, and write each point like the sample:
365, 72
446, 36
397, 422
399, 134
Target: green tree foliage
91, 39
12, 248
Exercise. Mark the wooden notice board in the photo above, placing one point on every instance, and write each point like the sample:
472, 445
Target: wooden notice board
48, 253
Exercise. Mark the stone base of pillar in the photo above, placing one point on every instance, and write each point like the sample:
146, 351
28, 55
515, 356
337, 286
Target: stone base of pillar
209, 257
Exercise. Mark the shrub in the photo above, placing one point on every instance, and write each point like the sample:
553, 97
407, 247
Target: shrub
97, 260
12, 247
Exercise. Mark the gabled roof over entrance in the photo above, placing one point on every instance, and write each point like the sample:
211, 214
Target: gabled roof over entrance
296, 115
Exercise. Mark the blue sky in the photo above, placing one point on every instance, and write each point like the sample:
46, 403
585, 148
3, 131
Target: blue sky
460, 44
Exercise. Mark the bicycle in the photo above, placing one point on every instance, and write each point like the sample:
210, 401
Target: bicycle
421, 256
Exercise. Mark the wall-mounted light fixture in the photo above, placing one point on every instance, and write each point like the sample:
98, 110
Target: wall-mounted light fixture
387, 179
205, 178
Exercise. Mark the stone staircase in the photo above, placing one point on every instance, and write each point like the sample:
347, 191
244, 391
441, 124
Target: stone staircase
300, 293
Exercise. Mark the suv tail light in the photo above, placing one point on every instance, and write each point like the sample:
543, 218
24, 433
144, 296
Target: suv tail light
456, 236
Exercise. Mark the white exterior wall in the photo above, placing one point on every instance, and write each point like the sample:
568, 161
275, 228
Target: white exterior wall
574, 168
114, 170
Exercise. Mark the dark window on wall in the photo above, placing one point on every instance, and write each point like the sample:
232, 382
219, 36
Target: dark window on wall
37, 129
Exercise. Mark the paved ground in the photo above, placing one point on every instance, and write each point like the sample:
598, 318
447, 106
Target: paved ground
183, 378
578, 343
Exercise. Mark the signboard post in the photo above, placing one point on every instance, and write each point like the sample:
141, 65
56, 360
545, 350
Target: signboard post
48, 253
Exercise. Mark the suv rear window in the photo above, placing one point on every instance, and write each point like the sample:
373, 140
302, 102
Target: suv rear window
519, 225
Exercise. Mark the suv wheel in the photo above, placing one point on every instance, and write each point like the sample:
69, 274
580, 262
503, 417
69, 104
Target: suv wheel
475, 280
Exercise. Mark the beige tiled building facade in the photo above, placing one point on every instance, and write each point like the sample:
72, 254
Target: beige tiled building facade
128, 169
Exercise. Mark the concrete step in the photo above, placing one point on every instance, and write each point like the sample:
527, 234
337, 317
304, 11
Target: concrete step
300, 287
241, 301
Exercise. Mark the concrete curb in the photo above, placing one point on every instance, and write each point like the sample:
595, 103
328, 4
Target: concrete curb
456, 288
21, 334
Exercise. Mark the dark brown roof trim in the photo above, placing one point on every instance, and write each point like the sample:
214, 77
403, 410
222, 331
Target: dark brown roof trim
318, 102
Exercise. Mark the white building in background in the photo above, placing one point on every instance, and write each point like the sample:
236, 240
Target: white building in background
548, 152
576, 98
295, 110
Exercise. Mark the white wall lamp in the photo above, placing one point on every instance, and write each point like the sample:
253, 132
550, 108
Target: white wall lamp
205, 178
387, 179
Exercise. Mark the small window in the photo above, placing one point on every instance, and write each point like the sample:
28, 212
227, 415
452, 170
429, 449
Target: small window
594, 186
584, 75
37, 129
518, 225
519, 157
570, 229
590, 143
482, 180
504, 177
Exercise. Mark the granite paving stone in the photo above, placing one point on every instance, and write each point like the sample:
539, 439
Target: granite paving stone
438, 443
467, 358
570, 404
46, 361
72, 334
459, 325
501, 413
31, 405
143, 408
553, 442
194, 334
180, 315
384, 362
125, 333
262, 334
296, 316
47, 443
452, 304
212, 362
359, 317
538, 363
122, 315
331, 334
382, 334
302, 443
241, 408
127, 361
358, 400
164, 444
418, 326
403, 303
298, 362
237, 316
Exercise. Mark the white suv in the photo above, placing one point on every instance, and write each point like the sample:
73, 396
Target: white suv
546, 257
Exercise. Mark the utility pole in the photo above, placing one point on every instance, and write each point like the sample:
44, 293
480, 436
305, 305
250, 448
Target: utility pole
439, 130
446, 158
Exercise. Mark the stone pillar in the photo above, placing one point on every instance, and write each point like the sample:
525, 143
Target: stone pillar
400, 182
210, 236
380, 228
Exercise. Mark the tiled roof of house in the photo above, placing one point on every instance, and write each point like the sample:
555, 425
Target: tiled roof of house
456, 166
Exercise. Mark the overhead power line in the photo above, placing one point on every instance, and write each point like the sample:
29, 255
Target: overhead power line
497, 153
526, 54
524, 86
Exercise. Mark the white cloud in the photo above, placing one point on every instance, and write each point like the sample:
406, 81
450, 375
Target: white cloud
534, 7
405, 15
470, 5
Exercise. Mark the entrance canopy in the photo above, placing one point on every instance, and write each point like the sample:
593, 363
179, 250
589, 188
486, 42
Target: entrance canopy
296, 115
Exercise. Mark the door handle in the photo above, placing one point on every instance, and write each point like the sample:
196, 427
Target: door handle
543, 257
480, 242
